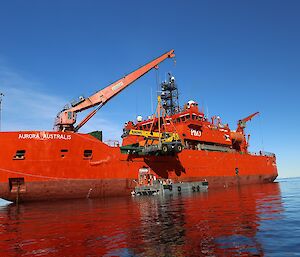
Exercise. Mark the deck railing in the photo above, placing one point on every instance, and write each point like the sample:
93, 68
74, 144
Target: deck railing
114, 143
263, 153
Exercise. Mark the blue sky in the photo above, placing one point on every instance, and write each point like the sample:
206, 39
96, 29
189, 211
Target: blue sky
233, 58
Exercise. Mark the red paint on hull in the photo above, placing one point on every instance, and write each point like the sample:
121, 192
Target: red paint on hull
50, 173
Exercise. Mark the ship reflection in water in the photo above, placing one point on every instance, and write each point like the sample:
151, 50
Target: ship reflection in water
224, 222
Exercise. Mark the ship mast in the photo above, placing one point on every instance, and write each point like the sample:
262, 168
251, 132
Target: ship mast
169, 96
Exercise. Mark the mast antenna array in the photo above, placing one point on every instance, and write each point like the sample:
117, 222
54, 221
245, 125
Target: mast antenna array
169, 95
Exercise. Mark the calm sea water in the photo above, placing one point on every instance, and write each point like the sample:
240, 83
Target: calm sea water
257, 220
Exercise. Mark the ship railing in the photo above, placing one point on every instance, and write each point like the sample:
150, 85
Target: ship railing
113, 143
263, 153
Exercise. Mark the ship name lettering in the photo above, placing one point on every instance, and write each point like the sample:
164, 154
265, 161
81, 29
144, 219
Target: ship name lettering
44, 136
196, 133
117, 86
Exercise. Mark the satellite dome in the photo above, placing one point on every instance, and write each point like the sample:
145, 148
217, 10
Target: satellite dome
191, 102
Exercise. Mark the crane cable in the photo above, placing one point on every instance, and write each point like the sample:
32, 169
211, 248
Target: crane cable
157, 82
261, 132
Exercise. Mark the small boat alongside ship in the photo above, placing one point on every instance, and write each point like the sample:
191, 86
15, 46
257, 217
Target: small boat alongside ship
148, 184
178, 146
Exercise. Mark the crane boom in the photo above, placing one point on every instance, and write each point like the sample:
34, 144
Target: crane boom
67, 117
249, 117
242, 122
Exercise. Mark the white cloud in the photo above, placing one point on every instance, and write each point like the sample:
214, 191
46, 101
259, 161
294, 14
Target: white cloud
26, 107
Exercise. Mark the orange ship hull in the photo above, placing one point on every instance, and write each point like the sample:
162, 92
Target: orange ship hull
38, 165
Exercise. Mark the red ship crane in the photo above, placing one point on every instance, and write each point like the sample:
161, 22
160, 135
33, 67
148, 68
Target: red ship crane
242, 123
238, 137
66, 119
